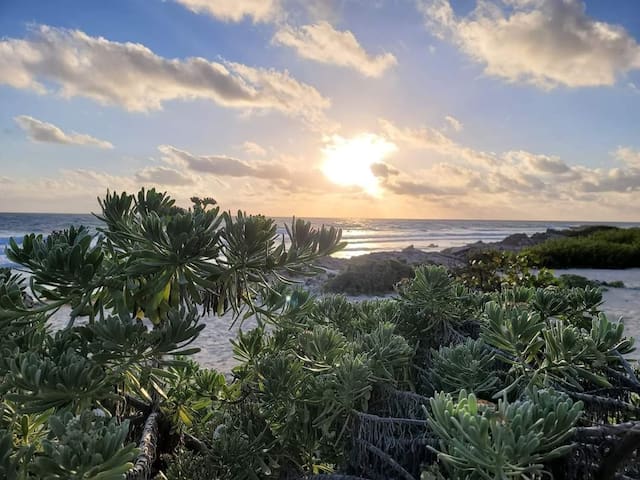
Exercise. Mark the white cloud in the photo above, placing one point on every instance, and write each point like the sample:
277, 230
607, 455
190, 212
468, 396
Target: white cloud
629, 156
235, 10
323, 43
40, 131
542, 42
253, 148
133, 77
454, 123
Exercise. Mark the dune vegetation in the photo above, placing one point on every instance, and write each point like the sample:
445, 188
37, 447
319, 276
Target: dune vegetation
448, 379
597, 248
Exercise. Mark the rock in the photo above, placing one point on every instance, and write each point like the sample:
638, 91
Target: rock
516, 240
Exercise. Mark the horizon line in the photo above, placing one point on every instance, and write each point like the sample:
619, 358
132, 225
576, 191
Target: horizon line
380, 218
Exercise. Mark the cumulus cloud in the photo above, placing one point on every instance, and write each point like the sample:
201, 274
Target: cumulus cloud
541, 42
132, 76
538, 163
161, 175
453, 123
613, 180
39, 131
629, 156
323, 43
235, 10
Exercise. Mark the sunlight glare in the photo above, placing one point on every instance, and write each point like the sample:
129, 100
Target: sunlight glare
348, 161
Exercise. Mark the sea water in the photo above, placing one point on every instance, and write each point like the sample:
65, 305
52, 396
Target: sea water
363, 235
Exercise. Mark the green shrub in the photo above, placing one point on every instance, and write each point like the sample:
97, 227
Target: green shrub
569, 280
489, 270
369, 277
609, 248
468, 366
510, 441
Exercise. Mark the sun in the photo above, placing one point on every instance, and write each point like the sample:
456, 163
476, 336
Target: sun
348, 161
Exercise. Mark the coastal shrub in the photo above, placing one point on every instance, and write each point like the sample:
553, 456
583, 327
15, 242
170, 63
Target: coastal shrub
548, 351
467, 366
570, 280
508, 440
137, 292
322, 385
489, 270
608, 248
433, 307
369, 277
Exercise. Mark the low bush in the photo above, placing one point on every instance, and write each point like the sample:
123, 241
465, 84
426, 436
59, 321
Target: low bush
489, 270
370, 277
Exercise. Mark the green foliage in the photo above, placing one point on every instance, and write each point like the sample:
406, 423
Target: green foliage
468, 366
547, 351
142, 283
489, 270
432, 306
85, 447
603, 248
569, 280
369, 277
510, 441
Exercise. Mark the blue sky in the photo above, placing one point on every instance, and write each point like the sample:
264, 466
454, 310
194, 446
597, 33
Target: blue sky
520, 109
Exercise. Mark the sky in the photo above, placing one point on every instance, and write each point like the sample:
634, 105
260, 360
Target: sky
488, 109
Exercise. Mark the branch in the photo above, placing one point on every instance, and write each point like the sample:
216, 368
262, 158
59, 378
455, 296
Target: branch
148, 446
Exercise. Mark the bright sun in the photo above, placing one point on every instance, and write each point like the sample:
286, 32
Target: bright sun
348, 161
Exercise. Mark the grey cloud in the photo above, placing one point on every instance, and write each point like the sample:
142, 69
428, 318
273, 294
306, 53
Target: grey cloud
613, 180
163, 176
40, 131
225, 166
383, 170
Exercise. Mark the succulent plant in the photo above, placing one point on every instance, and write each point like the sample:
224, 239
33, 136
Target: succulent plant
503, 441
469, 366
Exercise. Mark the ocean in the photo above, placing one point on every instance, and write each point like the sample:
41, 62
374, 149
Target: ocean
363, 235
